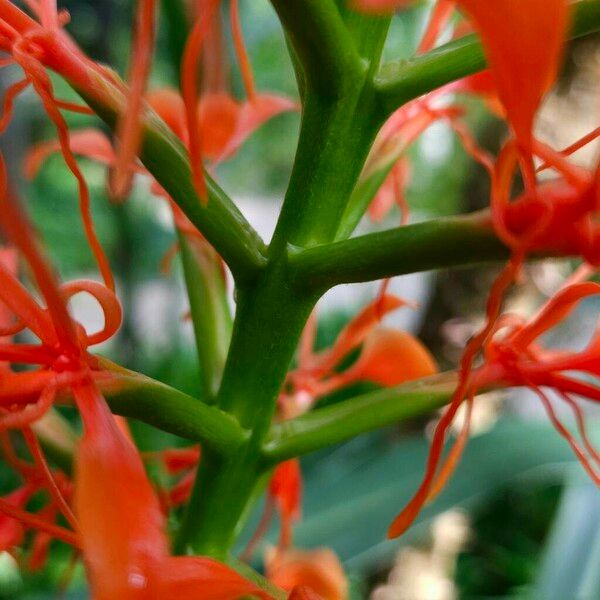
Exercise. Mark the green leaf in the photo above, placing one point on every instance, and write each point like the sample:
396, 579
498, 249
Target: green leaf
353, 492
570, 565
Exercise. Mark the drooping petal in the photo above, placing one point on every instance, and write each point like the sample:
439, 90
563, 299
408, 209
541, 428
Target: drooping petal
219, 115
90, 143
240, 50
285, 489
130, 125
391, 357
168, 105
523, 41
190, 92
320, 570
252, 115
120, 520
190, 578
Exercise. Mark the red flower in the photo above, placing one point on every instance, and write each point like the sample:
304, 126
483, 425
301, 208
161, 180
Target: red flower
32, 45
118, 521
516, 359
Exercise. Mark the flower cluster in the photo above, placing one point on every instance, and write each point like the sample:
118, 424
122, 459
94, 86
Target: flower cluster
108, 509
523, 44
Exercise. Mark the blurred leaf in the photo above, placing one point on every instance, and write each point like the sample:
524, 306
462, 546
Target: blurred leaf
353, 493
570, 565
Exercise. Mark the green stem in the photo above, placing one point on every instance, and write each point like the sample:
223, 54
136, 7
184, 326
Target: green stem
211, 317
443, 243
136, 396
338, 423
270, 317
321, 42
337, 130
165, 157
335, 139
403, 80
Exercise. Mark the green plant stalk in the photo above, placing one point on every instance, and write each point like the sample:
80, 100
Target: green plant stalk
336, 134
165, 157
334, 143
139, 397
341, 115
338, 423
209, 310
443, 243
322, 44
339, 119
269, 319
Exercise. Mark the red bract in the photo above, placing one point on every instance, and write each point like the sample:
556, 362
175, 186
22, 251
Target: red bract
123, 529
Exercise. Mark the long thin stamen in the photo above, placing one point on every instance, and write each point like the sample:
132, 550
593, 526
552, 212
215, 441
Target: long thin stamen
17, 227
241, 52
562, 430
35, 522
9, 101
44, 89
53, 489
261, 530
412, 509
569, 150
190, 94
581, 427
447, 469
130, 127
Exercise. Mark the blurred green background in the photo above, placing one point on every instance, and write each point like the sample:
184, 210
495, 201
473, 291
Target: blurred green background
517, 521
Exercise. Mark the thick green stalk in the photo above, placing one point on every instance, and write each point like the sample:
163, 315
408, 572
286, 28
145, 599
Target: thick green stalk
337, 131
269, 320
335, 139
443, 243
338, 119
338, 423
403, 80
322, 44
